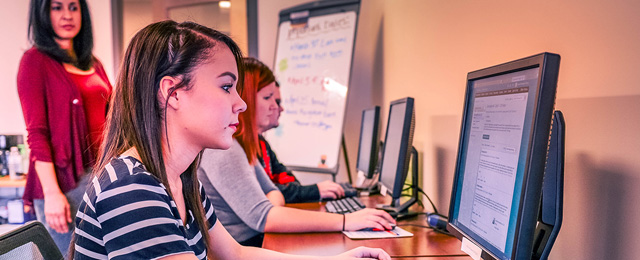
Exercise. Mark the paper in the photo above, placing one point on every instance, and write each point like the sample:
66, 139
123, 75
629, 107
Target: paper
396, 232
471, 249
16, 211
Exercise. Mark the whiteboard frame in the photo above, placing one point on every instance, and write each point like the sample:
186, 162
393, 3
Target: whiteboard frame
320, 8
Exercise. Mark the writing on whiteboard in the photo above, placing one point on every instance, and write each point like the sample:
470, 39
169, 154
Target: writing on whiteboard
312, 64
340, 23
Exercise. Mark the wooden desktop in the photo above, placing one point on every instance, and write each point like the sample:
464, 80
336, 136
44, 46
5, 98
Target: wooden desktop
425, 242
6, 182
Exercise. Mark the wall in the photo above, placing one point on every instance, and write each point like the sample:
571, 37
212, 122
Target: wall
424, 49
238, 21
429, 46
136, 14
14, 20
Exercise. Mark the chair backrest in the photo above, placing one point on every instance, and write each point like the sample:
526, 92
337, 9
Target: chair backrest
30, 241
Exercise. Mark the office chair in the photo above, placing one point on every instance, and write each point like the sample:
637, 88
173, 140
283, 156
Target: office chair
30, 241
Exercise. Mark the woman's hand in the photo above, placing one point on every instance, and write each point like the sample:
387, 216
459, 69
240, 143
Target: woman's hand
364, 252
368, 218
57, 212
330, 190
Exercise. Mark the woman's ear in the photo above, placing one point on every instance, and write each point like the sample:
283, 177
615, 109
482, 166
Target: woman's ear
168, 93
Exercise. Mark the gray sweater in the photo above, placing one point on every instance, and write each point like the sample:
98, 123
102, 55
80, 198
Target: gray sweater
237, 190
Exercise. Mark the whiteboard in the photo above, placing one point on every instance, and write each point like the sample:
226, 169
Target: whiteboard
313, 65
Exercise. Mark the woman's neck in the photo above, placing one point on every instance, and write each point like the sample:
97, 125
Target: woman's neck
178, 155
65, 44
175, 163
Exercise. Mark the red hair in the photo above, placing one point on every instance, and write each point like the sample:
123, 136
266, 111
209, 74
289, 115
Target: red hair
256, 76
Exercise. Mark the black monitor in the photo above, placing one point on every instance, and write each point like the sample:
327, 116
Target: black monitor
369, 139
396, 153
502, 151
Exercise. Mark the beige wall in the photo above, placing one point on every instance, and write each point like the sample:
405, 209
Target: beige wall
425, 48
14, 22
429, 46
237, 16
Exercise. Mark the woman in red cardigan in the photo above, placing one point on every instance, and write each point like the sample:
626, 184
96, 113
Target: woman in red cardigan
64, 92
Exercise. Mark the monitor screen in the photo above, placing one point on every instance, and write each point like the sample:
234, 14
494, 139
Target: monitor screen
368, 145
397, 146
502, 150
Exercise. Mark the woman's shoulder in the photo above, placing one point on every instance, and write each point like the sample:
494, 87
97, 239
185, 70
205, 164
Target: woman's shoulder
97, 64
34, 55
216, 161
124, 171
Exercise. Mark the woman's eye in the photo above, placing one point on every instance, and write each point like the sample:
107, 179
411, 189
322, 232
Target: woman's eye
73, 8
268, 97
227, 87
55, 8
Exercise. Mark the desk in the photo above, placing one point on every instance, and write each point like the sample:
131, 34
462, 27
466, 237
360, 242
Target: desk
425, 243
7, 182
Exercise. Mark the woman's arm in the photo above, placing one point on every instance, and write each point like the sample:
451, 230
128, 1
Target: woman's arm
225, 247
234, 182
270, 190
286, 220
276, 198
56, 206
33, 98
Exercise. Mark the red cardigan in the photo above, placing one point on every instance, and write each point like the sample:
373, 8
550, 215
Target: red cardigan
56, 124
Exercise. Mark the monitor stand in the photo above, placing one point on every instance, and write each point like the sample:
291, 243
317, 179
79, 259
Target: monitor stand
550, 215
400, 210
370, 185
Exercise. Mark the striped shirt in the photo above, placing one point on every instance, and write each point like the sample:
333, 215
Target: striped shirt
126, 213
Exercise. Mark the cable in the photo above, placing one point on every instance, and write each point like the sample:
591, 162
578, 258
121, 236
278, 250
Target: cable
414, 225
417, 201
435, 210
427, 227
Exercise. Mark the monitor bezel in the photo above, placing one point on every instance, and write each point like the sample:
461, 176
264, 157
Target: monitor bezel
536, 154
375, 139
406, 142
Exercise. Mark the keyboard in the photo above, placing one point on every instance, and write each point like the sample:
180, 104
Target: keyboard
344, 205
349, 191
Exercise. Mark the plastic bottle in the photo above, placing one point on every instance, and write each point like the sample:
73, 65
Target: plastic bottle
15, 164
24, 152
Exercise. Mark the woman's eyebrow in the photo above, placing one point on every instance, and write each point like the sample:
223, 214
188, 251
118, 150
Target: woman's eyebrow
233, 76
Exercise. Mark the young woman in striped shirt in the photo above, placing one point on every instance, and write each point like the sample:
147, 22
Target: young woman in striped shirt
175, 96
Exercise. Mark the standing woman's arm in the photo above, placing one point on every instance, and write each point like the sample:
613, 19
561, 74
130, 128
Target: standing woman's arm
33, 98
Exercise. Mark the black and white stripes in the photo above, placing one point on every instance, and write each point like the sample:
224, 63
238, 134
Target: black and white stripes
127, 213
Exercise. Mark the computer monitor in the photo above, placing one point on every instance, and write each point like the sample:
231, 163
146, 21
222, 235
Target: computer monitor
502, 151
369, 139
396, 153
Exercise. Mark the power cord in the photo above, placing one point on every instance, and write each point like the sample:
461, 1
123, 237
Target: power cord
445, 232
435, 210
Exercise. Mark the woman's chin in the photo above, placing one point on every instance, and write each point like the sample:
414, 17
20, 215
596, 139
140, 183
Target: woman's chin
222, 145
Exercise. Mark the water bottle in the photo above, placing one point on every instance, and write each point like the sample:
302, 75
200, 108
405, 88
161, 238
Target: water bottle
15, 164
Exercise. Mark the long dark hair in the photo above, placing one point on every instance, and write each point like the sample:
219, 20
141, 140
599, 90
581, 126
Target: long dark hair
257, 75
43, 36
136, 114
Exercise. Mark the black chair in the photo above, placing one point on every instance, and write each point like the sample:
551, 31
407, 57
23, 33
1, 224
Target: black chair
30, 241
